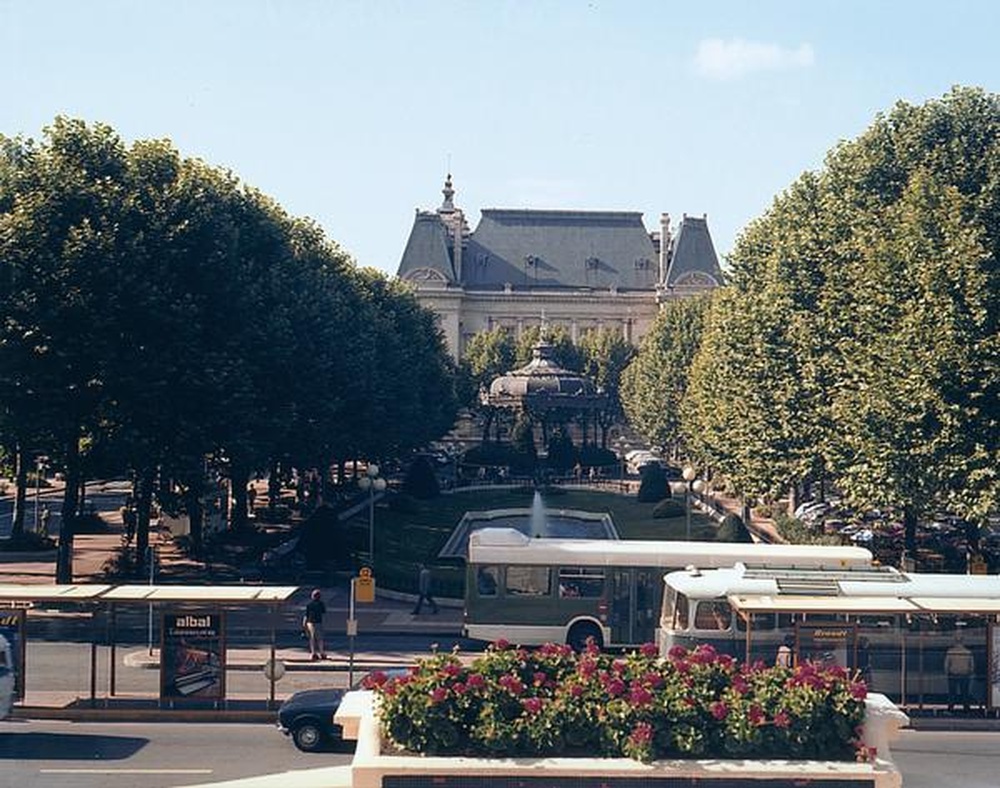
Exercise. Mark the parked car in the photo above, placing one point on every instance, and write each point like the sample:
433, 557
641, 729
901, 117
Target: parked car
307, 716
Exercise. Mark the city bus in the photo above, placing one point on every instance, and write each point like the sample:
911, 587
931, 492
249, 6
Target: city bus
921, 639
532, 591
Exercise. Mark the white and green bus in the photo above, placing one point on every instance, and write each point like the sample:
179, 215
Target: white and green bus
534, 591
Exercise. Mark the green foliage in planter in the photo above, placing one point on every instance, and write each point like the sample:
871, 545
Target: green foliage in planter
421, 481
591, 455
733, 529
668, 508
654, 486
551, 701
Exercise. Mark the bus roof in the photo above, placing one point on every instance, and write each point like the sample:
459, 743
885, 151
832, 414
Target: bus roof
509, 546
875, 590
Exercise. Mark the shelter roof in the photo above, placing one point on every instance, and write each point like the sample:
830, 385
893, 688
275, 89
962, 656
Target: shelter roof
204, 594
543, 383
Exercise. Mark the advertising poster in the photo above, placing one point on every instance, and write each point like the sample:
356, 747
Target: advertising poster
192, 657
994, 656
12, 628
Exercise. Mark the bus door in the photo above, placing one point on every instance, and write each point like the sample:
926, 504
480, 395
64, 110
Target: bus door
621, 611
634, 606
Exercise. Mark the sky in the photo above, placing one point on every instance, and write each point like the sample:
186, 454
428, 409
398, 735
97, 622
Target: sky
352, 113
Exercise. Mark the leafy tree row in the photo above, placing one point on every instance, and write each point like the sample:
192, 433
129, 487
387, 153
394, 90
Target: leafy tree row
156, 311
857, 342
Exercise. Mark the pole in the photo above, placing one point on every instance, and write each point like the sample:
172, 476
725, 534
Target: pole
371, 524
351, 629
38, 489
151, 557
687, 499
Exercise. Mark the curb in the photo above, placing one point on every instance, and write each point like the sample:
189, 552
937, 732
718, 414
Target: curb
100, 714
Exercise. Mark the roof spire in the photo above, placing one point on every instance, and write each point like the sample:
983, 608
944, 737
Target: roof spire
448, 206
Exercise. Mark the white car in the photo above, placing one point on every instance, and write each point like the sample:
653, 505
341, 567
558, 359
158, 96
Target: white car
6, 677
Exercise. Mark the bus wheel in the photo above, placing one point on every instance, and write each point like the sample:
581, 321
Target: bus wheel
579, 634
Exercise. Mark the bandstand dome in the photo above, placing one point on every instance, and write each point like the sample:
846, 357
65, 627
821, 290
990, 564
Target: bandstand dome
542, 383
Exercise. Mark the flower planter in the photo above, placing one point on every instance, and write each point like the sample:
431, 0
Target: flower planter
374, 768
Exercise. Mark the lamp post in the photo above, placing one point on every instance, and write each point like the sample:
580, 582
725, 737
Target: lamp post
372, 482
689, 474
39, 467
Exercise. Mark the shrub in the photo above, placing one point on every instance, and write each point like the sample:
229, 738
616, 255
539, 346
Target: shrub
421, 481
511, 702
654, 486
592, 456
668, 508
562, 453
733, 529
28, 542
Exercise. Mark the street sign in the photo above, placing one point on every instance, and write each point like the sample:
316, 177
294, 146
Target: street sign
352, 627
364, 586
274, 669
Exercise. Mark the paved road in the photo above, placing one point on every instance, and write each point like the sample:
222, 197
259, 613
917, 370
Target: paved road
102, 496
45, 754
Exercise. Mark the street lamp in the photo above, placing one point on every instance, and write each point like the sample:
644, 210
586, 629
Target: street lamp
39, 467
372, 482
691, 483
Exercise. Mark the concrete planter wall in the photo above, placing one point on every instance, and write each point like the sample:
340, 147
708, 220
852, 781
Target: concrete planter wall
372, 768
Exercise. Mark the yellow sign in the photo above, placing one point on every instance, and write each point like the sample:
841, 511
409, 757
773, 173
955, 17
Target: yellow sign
364, 586
977, 566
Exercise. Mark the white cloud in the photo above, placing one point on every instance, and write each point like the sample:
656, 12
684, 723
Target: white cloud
732, 59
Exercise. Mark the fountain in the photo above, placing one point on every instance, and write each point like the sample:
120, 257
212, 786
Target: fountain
536, 523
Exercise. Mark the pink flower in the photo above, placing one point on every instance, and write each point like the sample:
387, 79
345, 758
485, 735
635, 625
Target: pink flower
438, 694
587, 667
640, 696
475, 681
859, 690
615, 687
540, 679
718, 709
452, 669
532, 705
512, 684
782, 720
649, 650
756, 715
641, 734
576, 690
618, 666
704, 654
740, 686
653, 679
374, 679
458, 688
677, 652
502, 644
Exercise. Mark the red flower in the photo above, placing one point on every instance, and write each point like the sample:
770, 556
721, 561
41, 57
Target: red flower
576, 690
649, 650
718, 709
587, 667
615, 687
502, 644
458, 688
640, 696
641, 734
677, 652
653, 679
532, 705
859, 690
452, 669
756, 715
619, 666
782, 720
475, 681
740, 686
374, 679
438, 695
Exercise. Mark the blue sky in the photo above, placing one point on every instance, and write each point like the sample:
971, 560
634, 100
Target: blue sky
352, 112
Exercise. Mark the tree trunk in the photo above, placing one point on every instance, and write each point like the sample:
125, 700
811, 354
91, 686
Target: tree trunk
20, 492
70, 506
143, 502
910, 531
274, 485
793, 499
239, 478
196, 514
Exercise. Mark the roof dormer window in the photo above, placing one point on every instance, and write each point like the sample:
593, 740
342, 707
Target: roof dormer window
592, 263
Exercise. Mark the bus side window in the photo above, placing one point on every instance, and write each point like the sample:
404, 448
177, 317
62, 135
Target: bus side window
528, 581
486, 580
680, 616
758, 621
712, 615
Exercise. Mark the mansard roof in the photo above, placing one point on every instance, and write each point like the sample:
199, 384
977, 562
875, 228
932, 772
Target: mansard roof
577, 249
693, 255
426, 256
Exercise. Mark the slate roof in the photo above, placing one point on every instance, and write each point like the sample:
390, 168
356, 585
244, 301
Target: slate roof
693, 251
553, 249
427, 247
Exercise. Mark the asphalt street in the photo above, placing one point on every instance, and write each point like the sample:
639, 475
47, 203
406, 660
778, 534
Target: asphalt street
56, 754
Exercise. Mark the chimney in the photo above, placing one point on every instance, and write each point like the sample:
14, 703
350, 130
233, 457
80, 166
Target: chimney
665, 241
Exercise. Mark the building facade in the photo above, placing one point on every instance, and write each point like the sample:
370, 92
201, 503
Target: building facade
581, 270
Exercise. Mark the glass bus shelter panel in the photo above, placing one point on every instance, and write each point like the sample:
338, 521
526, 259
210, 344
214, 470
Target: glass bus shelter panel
620, 606
946, 662
648, 590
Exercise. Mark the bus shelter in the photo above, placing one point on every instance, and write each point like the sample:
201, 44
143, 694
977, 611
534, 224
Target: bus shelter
191, 624
921, 651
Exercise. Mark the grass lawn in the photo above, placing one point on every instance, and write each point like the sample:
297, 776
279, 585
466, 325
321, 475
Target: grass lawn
407, 536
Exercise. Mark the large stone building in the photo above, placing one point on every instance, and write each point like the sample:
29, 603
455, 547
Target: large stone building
577, 269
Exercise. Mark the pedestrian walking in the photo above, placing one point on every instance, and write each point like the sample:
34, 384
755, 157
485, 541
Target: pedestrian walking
424, 587
44, 518
312, 623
